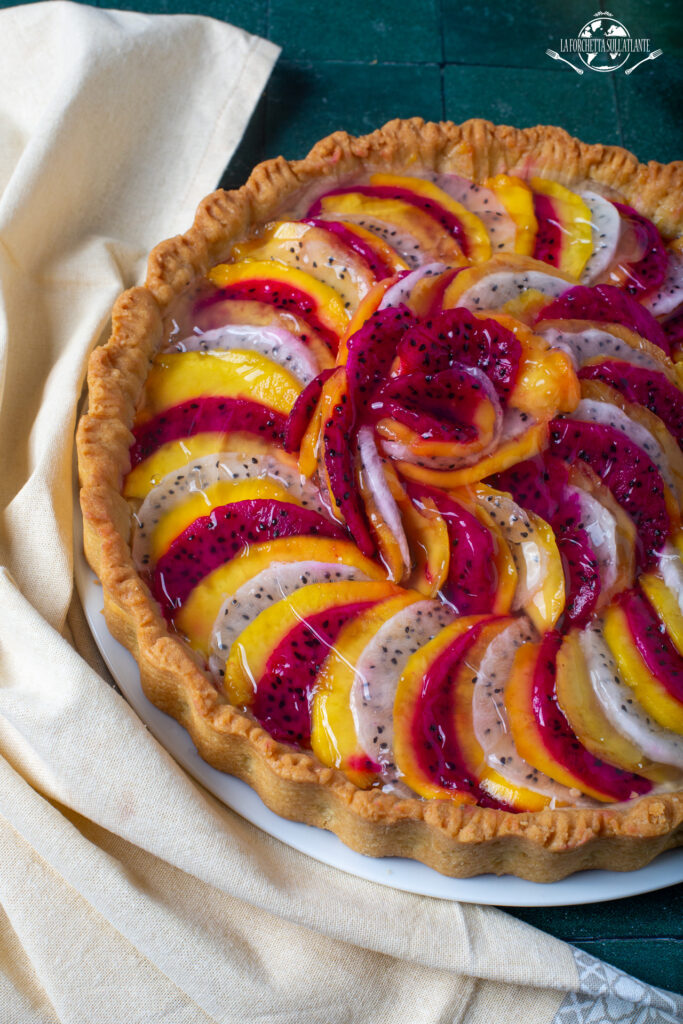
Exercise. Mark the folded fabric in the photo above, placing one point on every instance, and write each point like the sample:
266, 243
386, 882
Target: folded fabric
126, 892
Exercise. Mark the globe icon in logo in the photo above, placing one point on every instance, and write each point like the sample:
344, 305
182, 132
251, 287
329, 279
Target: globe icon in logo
604, 26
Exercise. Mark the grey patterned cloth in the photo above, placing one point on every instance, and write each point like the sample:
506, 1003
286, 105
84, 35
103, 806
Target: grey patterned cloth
609, 996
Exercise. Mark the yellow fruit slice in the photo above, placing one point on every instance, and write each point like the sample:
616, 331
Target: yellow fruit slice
196, 617
250, 652
334, 738
665, 709
575, 222
177, 377
517, 198
478, 243
176, 454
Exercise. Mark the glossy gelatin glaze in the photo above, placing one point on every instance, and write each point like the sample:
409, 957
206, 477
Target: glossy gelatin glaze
407, 477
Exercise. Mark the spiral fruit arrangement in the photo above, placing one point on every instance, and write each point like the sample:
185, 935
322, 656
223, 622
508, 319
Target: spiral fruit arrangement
407, 478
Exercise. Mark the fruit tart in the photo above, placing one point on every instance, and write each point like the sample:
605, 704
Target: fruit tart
382, 476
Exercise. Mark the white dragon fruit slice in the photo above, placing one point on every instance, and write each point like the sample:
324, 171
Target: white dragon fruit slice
620, 705
591, 411
671, 568
483, 202
494, 290
273, 584
527, 550
176, 486
601, 527
371, 462
378, 670
491, 723
605, 231
274, 342
584, 345
400, 292
403, 243
668, 298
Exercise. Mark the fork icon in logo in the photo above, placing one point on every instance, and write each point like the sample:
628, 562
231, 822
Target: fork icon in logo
555, 55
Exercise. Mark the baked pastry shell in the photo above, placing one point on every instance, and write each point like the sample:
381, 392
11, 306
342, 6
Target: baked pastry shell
460, 841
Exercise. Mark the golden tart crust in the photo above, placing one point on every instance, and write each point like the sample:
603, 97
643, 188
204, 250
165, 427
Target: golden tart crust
456, 840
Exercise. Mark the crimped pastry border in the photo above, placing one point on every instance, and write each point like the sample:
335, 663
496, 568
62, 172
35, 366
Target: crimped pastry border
455, 840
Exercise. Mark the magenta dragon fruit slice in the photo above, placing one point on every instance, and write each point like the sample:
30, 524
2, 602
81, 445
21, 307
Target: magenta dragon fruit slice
279, 345
579, 561
608, 304
282, 701
338, 462
653, 643
647, 273
270, 585
439, 407
302, 410
447, 220
491, 722
562, 742
605, 232
214, 414
275, 293
378, 669
472, 581
629, 473
649, 388
352, 241
549, 233
214, 539
455, 335
667, 298
371, 351
620, 705
591, 411
437, 750
538, 484
177, 486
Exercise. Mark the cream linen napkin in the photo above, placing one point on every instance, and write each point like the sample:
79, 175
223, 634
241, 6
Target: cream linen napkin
126, 893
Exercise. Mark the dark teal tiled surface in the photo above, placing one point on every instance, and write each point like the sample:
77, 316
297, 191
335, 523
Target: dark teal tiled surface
356, 64
306, 98
528, 96
358, 30
658, 88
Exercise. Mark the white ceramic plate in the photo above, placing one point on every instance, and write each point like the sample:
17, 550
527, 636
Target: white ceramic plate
399, 873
